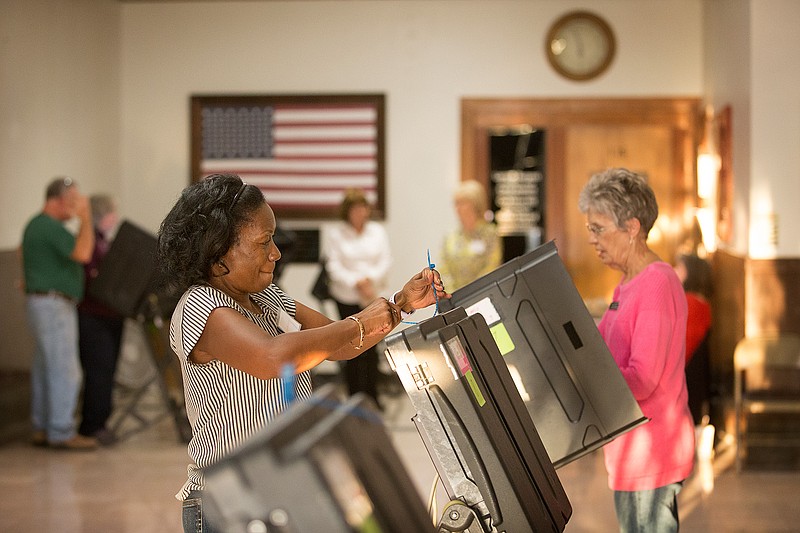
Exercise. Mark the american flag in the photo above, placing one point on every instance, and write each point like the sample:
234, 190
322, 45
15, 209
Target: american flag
302, 156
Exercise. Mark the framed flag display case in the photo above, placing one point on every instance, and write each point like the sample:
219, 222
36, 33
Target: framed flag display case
302, 151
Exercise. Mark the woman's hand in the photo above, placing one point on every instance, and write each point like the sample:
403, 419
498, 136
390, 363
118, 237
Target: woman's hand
366, 291
421, 291
379, 318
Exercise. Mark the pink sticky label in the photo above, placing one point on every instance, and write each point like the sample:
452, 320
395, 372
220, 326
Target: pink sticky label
460, 355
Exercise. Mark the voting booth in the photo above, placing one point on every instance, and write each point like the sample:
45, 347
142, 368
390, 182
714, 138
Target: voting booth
476, 428
569, 382
325, 464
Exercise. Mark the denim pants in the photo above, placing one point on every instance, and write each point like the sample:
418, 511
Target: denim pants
194, 521
648, 511
55, 372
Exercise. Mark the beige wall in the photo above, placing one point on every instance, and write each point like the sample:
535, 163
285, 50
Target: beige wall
774, 129
59, 102
727, 71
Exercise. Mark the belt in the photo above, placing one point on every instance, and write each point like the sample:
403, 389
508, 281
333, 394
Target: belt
58, 294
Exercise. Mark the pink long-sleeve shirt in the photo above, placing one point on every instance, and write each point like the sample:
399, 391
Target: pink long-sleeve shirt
645, 330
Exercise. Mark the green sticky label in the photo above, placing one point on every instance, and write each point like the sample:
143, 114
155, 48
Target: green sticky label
475, 390
502, 338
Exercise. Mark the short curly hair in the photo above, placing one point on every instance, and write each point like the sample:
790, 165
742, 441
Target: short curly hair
622, 195
202, 226
352, 197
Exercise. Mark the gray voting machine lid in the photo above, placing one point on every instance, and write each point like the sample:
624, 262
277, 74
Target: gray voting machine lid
325, 464
566, 376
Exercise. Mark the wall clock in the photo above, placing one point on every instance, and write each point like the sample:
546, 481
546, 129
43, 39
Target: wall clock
580, 45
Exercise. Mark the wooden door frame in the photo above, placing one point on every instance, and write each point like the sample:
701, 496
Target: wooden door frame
480, 116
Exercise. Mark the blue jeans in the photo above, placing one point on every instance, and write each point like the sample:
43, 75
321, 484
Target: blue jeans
648, 511
55, 373
194, 521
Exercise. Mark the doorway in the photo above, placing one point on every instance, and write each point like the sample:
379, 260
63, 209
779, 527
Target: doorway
656, 137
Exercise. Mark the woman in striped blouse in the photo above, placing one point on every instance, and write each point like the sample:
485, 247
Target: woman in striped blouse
235, 332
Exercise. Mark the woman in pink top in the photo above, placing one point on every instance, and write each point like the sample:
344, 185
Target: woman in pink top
645, 329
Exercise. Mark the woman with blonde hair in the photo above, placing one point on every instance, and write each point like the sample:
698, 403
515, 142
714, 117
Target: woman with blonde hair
475, 249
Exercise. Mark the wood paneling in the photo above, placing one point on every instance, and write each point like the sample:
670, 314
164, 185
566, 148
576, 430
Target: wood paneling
728, 314
16, 349
751, 297
772, 303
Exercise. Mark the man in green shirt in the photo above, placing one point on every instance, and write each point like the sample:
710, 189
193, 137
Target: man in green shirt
52, 259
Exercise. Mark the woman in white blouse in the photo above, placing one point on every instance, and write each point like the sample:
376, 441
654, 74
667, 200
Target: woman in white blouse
357, 257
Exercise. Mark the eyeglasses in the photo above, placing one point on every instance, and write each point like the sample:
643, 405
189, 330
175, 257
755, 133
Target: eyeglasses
597, 230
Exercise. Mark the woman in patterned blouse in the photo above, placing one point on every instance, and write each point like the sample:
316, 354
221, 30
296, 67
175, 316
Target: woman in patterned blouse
236, 333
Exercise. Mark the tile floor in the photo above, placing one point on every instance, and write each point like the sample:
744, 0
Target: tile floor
130, 487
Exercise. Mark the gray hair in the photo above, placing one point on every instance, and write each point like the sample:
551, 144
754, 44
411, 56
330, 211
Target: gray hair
102, 204
622, 195
475, 193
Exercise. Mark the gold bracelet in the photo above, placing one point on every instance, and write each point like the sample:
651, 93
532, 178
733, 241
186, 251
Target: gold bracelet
360, 331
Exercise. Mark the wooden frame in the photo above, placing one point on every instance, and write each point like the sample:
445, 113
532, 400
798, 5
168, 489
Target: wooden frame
725, 191
586, 32
302, 151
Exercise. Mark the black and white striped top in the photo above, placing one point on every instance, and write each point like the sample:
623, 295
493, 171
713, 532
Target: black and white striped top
226, 406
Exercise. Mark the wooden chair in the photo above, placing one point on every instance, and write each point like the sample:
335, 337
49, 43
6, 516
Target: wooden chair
766, 380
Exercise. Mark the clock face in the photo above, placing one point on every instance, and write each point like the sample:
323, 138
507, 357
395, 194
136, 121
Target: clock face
580, 45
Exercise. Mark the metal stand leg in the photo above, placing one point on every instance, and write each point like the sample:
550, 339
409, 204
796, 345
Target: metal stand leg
170, 388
